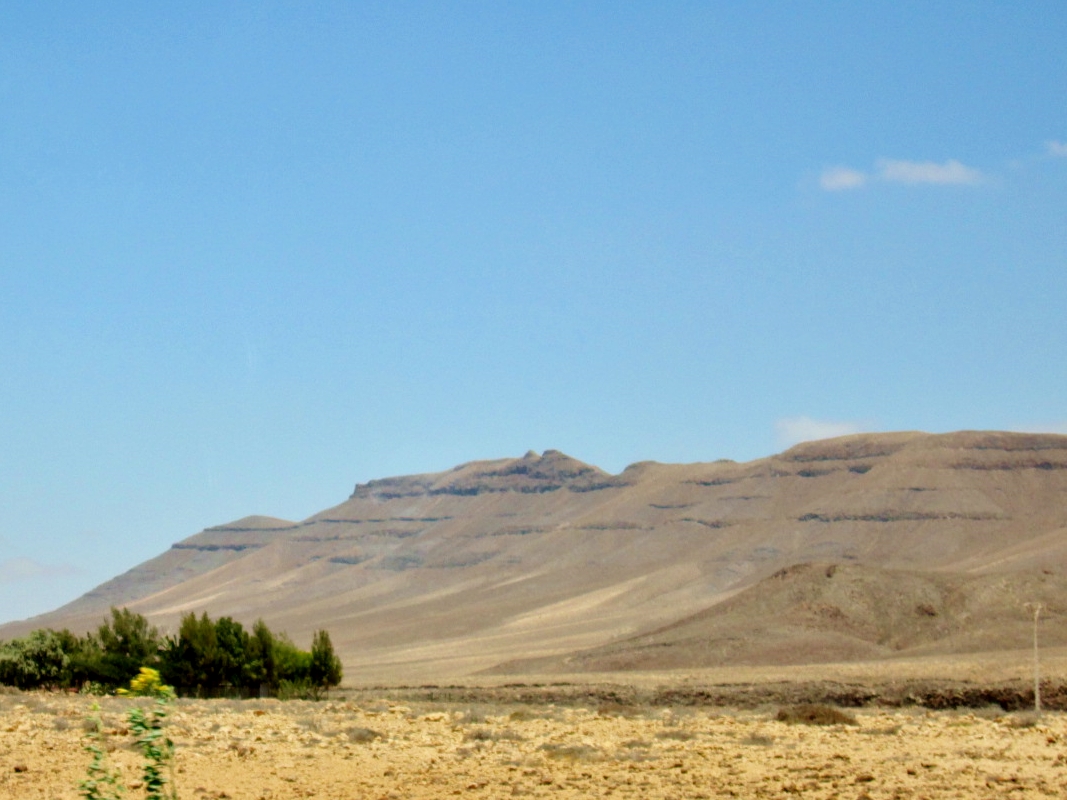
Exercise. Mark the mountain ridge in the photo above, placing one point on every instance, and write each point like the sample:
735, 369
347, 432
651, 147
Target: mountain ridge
520, 560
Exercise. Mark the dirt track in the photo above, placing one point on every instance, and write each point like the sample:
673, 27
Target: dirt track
374, 749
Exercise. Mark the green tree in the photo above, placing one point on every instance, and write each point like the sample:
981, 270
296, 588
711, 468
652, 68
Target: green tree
203, 658
126, 643
325, 670
231, 652
74, 646
260, 665
85, 660
33, 661
290, 662
191, 661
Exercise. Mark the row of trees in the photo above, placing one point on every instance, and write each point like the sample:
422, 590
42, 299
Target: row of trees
205, 658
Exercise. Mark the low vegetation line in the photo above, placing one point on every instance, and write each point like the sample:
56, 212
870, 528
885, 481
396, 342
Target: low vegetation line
206, 658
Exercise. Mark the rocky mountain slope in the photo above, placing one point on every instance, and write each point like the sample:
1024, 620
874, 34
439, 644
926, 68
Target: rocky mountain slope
532, 560
834, 612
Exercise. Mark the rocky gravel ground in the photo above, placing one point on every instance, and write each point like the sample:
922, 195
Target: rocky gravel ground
368, 748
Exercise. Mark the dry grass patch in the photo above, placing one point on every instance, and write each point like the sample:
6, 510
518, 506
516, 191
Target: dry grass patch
358, 735
758, 740
622, 710
814, 714
677, 734
1023, 719
490, 735
475, 715
571, 752
889, 730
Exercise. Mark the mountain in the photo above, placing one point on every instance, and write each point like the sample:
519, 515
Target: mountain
835, 549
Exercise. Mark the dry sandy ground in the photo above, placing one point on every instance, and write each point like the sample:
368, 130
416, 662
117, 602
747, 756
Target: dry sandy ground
374, 749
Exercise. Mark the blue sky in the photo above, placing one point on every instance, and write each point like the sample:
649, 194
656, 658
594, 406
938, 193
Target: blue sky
251, 254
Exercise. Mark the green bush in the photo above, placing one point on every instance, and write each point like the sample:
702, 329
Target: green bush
34, 661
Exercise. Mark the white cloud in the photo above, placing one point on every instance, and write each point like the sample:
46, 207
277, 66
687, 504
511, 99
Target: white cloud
1056, 148
793, 430
951, 172
16, 570
837, 179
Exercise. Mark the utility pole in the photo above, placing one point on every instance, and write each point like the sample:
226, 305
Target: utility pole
1037, 609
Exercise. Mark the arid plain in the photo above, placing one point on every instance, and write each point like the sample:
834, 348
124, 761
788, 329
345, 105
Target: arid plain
376, 747
695, 734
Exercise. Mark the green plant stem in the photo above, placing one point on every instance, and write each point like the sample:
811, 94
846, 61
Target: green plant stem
101, 782
157, 749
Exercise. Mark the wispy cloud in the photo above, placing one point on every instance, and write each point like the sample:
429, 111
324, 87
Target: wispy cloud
17, 570
951, 172
887, 170
1056, 148
793, 430
838, 179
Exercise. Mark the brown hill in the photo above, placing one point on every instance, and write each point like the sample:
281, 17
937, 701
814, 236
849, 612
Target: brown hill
440, 575
830, 612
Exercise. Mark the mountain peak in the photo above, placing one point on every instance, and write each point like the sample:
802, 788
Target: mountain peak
531, 474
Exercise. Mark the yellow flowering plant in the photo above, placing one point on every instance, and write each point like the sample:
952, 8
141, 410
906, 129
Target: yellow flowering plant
147, 726
147, 683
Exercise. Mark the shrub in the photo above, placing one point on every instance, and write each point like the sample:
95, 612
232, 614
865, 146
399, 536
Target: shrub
33, 661
299, 689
